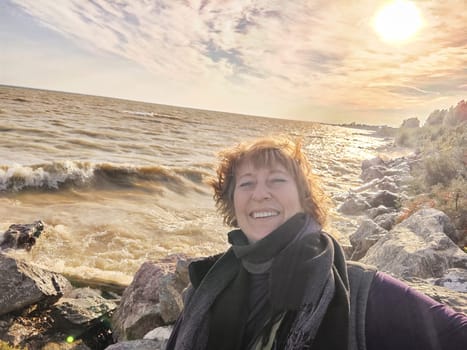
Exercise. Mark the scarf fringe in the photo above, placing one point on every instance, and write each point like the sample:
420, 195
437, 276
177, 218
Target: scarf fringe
308, 320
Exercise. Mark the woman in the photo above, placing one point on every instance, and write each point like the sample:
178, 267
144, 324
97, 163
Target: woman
284, 283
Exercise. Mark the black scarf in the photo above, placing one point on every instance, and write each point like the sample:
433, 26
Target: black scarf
308, 292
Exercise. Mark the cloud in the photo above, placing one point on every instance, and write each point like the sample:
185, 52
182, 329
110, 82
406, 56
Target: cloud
320, 52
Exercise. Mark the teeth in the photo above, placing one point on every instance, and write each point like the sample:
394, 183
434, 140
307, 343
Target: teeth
263, 214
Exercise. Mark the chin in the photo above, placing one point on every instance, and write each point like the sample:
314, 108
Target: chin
259, 236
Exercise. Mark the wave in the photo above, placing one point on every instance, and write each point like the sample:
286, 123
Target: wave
81, 174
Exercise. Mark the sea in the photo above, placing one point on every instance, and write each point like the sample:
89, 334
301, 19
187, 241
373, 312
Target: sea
121, 182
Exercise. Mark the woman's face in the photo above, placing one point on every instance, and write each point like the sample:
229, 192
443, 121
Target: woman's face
264, 199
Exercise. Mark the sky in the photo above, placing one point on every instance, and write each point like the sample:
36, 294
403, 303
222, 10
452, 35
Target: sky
322, 60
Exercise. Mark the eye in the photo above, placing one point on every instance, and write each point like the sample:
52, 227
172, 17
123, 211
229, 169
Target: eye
278, 180
245, 184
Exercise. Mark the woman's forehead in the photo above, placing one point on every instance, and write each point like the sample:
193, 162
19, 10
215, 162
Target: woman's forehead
248, 165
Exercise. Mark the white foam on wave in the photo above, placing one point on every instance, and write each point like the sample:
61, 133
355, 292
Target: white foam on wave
18, 177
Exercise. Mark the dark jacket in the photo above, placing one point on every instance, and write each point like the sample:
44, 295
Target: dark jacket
360, 278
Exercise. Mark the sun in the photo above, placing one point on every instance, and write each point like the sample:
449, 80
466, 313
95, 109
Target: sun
397, 21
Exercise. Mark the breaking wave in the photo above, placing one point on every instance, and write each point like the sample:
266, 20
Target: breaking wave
80, 174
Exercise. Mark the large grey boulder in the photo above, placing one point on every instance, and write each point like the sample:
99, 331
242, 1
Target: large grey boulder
153, 299
432, 220
23, 284
418, 247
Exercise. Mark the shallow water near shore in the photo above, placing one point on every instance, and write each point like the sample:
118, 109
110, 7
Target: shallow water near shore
120, 182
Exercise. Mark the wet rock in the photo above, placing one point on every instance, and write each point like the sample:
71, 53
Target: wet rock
152, 299
23, 284
22, 236
417, 247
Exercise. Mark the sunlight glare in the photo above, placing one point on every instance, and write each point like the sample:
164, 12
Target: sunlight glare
398, 20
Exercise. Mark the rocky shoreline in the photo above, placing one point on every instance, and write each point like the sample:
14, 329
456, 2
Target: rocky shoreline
44, 310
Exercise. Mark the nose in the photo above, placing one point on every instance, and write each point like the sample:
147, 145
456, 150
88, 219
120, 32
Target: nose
261, 192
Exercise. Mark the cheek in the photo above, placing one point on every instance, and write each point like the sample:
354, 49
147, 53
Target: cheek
236, 200
295, 202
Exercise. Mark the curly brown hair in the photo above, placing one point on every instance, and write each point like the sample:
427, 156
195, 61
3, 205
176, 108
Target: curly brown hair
265, 152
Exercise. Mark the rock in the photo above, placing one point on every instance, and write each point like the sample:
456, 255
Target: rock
366, 235
22, 236
386, 221
456, 300
86, 317
170, 298
433, 220
23, 285
353, 205
105, 285
77, 345
348, 250
83, 311
152, 299
144, 344
139, 309
384, 198
417, 247
453, 279
367, 186
380, 210
374, 172
388, 183
369, 163
160, 335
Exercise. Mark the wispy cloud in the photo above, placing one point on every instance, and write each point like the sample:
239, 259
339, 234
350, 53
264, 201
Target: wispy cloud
322, 53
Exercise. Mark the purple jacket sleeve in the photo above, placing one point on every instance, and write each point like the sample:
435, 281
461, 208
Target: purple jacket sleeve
399, 317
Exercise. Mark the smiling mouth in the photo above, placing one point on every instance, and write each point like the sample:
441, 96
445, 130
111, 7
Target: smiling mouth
263, 214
